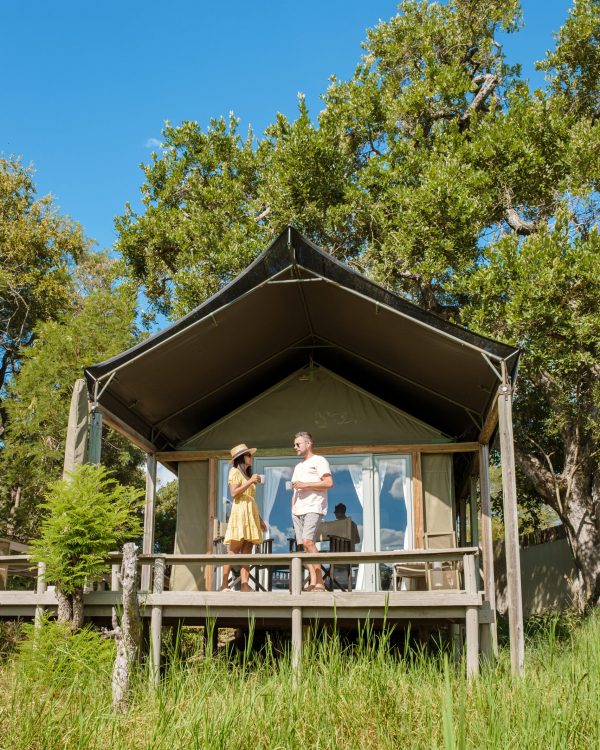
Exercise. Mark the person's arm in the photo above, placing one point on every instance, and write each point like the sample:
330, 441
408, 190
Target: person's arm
239, 489
325, 483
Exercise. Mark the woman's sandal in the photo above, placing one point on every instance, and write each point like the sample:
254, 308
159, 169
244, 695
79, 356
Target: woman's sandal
315, 587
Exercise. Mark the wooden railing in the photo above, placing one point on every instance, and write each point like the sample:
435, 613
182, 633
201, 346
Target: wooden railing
464, 604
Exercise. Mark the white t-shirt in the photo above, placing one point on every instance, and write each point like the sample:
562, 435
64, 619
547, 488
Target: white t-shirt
313, 469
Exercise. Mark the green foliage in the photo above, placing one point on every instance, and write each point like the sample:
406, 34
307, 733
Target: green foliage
370, 695
37, 250
198, 230
53, 655
101, 324
87, 516
166, 518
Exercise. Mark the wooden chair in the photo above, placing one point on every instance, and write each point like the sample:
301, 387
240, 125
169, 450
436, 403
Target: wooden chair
437, 575
344, 581
445, 573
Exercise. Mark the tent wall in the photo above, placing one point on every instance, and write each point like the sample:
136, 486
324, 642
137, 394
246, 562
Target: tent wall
334, 411
191, 535
337, 414
438, 493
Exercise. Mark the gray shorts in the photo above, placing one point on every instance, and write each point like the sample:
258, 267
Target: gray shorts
307, 526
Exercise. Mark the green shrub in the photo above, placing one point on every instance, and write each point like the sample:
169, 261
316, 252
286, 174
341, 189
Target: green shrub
88, 516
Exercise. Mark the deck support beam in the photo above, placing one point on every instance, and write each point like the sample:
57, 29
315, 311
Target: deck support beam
487, 543
511, 528
471, 620
149, 509
296, 581
156, 622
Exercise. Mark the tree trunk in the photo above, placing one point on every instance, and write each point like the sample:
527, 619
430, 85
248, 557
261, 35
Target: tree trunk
580, 518
573, 494
128, 634
77, 608
65, 608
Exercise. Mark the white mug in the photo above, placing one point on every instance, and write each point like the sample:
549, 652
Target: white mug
261, 478
288, 486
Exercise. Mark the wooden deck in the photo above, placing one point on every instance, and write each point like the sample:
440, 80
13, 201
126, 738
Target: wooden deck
286, 609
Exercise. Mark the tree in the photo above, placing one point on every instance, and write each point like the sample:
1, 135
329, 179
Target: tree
101, 323
38, 249
439, 173
166, 518
87, 516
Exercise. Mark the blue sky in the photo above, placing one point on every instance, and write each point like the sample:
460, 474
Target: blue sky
86, 87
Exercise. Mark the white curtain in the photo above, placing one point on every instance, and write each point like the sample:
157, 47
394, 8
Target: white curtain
407, 489
356, 474
273, 476
382, 468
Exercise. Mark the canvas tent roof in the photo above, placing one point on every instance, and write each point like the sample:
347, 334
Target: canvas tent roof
295, 304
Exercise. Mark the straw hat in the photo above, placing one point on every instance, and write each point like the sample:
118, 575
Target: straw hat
239, 450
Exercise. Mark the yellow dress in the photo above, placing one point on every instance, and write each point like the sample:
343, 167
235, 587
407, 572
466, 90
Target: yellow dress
244, 521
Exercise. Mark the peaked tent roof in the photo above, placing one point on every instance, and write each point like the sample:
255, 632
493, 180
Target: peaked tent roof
295, 304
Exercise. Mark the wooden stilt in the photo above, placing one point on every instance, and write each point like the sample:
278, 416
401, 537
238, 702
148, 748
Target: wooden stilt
149, 508
511, 530
471, 620
487, 549
296, 578
156, 622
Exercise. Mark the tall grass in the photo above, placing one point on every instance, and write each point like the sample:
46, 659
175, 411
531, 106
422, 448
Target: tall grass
367, 694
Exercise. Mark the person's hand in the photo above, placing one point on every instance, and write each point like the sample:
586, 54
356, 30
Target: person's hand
255, 478
299, 485
263, 525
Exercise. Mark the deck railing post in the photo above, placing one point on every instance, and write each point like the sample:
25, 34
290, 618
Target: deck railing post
296, 586
39, 590
471, 619
149, 509
156, 622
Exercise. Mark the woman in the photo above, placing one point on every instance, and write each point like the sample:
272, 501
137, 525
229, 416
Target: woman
245, 525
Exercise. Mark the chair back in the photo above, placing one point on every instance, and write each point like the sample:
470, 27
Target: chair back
341, 528
440, 540
441, 575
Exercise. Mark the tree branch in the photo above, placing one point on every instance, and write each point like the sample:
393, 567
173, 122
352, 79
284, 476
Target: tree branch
544, 481
489, 81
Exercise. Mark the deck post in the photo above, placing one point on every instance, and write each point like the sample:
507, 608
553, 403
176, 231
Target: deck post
296, 581
156, 622
148, 539
511, 528
486, 542
471, 619
39, 590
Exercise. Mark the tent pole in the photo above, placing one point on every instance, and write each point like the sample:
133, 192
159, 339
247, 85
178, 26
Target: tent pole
149, 508
511, 527
486, 539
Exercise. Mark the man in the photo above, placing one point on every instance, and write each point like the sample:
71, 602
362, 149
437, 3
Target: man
340, 515
310, 481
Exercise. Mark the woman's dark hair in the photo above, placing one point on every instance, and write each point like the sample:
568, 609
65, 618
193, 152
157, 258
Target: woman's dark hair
238, 462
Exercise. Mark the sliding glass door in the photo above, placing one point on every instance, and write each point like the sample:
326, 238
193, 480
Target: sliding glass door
376, 491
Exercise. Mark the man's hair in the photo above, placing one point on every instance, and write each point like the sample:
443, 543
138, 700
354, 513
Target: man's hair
305, 435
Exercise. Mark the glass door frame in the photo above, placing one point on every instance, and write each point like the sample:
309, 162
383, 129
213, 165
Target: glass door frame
371, 526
